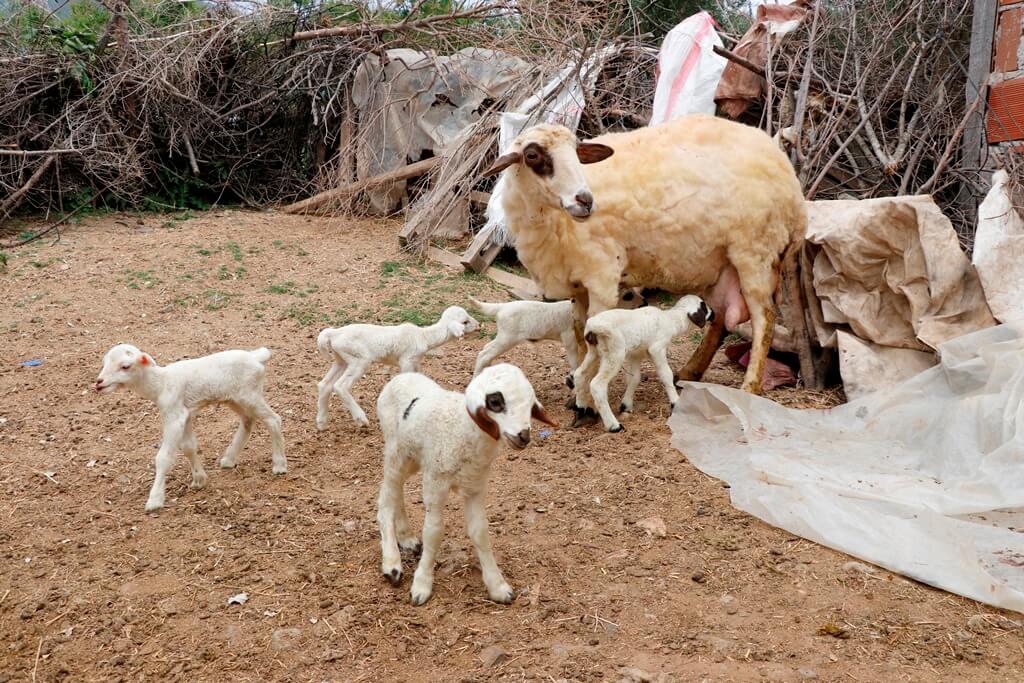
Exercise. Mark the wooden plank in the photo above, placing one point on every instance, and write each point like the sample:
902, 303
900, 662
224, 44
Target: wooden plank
481, 252
521, 287
983, 29
404, 173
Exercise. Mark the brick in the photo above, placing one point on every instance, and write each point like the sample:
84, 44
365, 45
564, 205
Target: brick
1006, 111
1008, 40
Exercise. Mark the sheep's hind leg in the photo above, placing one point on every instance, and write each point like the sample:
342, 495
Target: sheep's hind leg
476, 526
633, 377
611, 361
434, 496
762, 320
263, 412
387, 507
323, 393
583, 402
343, 387
491, 350
190, 447
407, 540
242, 434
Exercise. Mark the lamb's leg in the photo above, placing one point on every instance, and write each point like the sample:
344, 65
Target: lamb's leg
407, 540
410, 363
242, 434
387, 503
190, 448
263, 412
476, 526
571, 356
633, 376
435, 494
659, 356
343, 387
583, 403
492, 350
323, 393
611, 362
174, 430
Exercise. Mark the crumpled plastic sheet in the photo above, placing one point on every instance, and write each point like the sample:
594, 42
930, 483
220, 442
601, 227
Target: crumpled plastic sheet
925, 479
999, 252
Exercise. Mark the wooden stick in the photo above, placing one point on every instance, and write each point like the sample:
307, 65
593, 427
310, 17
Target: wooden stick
37, 152
191, 156
953, 141
404, 173
520, 286
11, 203
406, 25
733, 57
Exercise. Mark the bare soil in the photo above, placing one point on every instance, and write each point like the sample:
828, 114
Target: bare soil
93, 588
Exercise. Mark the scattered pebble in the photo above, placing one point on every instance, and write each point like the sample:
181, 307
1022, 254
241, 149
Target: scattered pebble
858, 567
699, 577
285, 638
806, 674
654, 526
239, 599
729, 602
493, 655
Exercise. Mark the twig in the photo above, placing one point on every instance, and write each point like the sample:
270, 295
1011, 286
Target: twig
746, 64
955, 139
52, 227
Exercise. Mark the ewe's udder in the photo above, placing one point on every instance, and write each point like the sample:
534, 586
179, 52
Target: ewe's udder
726, 299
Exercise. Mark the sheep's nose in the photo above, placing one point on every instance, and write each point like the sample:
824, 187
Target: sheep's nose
524, 436
585, 199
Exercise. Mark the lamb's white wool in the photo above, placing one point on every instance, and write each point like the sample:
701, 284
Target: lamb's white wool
619, 337
695, 205
181, 389
453, 438
521, 321
354, 348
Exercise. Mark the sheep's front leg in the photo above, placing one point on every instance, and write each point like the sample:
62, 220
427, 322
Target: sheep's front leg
659, 356
435, 494
633, 377
190, 447
387, 507
476, 526
343, 387
410, 363
174, 431
263, 412
580, 304
698, 364
492, 350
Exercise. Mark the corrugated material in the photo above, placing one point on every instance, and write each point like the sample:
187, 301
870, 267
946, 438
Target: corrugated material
1006, 111
1008, 40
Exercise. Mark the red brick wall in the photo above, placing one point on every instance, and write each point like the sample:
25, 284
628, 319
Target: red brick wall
1006, 97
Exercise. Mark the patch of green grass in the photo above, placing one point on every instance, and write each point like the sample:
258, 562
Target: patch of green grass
236, 251
390, 269
216, 300
696, 336
25, 234
3, 261
141, 279
289, 287
277, 243
305, 313
225, 273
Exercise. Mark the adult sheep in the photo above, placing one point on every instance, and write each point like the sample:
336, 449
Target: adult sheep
697, 205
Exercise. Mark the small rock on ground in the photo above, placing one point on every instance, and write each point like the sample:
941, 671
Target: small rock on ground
285, 638
655, 526
493, 655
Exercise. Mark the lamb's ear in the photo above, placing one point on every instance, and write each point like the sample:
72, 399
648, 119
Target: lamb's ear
484, 422
537, 413
503, 162
702, 315
592, 152
144, 359
456, 328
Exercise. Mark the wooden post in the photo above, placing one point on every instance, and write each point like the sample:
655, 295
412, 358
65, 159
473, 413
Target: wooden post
983, 30
403, 173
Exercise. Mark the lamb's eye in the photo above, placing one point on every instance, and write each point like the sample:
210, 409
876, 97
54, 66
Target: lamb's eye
126, 366
495, 402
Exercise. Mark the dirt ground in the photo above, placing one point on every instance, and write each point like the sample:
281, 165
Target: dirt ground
94, 588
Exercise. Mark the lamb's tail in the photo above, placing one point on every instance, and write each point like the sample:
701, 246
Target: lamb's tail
323, 343
262, 354
486, 308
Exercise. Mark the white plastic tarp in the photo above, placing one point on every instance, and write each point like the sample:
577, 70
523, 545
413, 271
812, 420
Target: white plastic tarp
688, 70
925, 479
999, 252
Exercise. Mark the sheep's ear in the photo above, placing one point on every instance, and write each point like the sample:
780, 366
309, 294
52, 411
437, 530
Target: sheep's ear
503, 162
592, 152
484, 422
456, 328
537, 413
145, 360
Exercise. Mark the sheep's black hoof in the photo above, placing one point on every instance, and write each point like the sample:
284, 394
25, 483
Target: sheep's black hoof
623, 408
394, 577
585, 417
616, 429
570, 402
569, 383
412, 549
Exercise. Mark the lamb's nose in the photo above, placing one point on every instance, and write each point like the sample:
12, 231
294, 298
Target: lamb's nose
585, 199
524, 436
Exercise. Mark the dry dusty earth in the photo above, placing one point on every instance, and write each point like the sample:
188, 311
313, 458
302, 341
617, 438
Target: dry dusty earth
93, 588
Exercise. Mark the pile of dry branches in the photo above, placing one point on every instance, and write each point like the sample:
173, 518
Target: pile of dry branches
874, 93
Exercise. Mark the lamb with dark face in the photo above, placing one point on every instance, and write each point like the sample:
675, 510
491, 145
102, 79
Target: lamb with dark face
453, 438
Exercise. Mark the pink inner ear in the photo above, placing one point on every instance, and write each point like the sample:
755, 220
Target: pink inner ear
145, 359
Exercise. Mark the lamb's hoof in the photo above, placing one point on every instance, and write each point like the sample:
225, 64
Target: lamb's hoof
420, 596
585, 417
569, 382
227, 464
570, 402
394, 576
623, 408
363, 423
321, 425
153, 504
280, 469
616, 429
199, 480
503, 595
413, 547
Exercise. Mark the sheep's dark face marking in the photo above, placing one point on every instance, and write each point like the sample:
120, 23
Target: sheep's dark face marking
539, 161
702, 315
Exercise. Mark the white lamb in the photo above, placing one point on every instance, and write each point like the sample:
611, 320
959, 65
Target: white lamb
453, 438
354, 348
520, 321
619, 337
183, 388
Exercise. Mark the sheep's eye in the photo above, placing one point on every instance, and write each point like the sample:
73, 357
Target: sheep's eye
628, 296
531, 155
126, 366
495, 402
